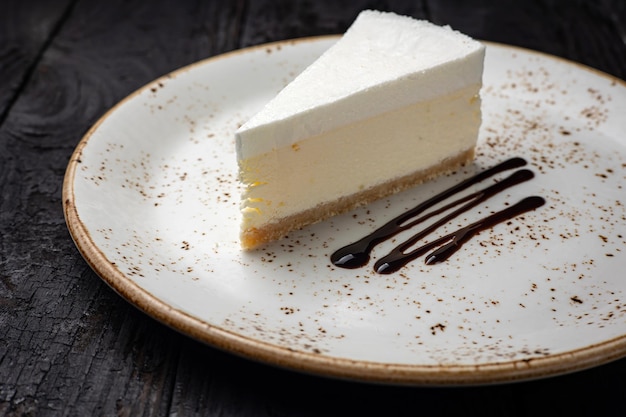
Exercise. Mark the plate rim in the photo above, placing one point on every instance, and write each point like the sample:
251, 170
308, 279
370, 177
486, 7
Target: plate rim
307, 362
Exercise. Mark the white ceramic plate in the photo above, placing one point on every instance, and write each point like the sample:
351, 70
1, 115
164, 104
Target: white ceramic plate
151, 200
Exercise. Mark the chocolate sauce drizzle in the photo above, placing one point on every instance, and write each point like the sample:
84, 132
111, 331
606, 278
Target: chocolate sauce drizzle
357, 254
397, 258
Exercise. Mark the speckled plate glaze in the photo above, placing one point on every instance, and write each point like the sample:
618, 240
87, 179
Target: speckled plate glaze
151, 200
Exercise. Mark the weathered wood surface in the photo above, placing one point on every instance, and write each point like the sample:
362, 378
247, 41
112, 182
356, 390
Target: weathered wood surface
71, 346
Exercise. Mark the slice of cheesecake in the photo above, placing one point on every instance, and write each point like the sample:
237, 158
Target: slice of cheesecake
393, 103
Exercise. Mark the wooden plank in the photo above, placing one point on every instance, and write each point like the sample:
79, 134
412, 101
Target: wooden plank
269, 21
26, 30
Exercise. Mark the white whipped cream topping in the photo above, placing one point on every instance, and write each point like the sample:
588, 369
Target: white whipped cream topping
384, 61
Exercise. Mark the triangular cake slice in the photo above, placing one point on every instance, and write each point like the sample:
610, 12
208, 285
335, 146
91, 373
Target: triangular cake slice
393, 103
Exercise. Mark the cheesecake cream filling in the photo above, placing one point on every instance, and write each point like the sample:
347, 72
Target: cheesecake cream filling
427, 131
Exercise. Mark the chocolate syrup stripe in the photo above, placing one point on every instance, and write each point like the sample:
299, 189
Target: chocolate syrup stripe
357, 254
514, 179
396, 259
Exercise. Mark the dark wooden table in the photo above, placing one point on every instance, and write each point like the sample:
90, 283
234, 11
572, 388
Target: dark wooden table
71, 346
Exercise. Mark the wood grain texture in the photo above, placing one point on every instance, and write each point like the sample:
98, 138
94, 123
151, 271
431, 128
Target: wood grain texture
70, 346
24, 35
